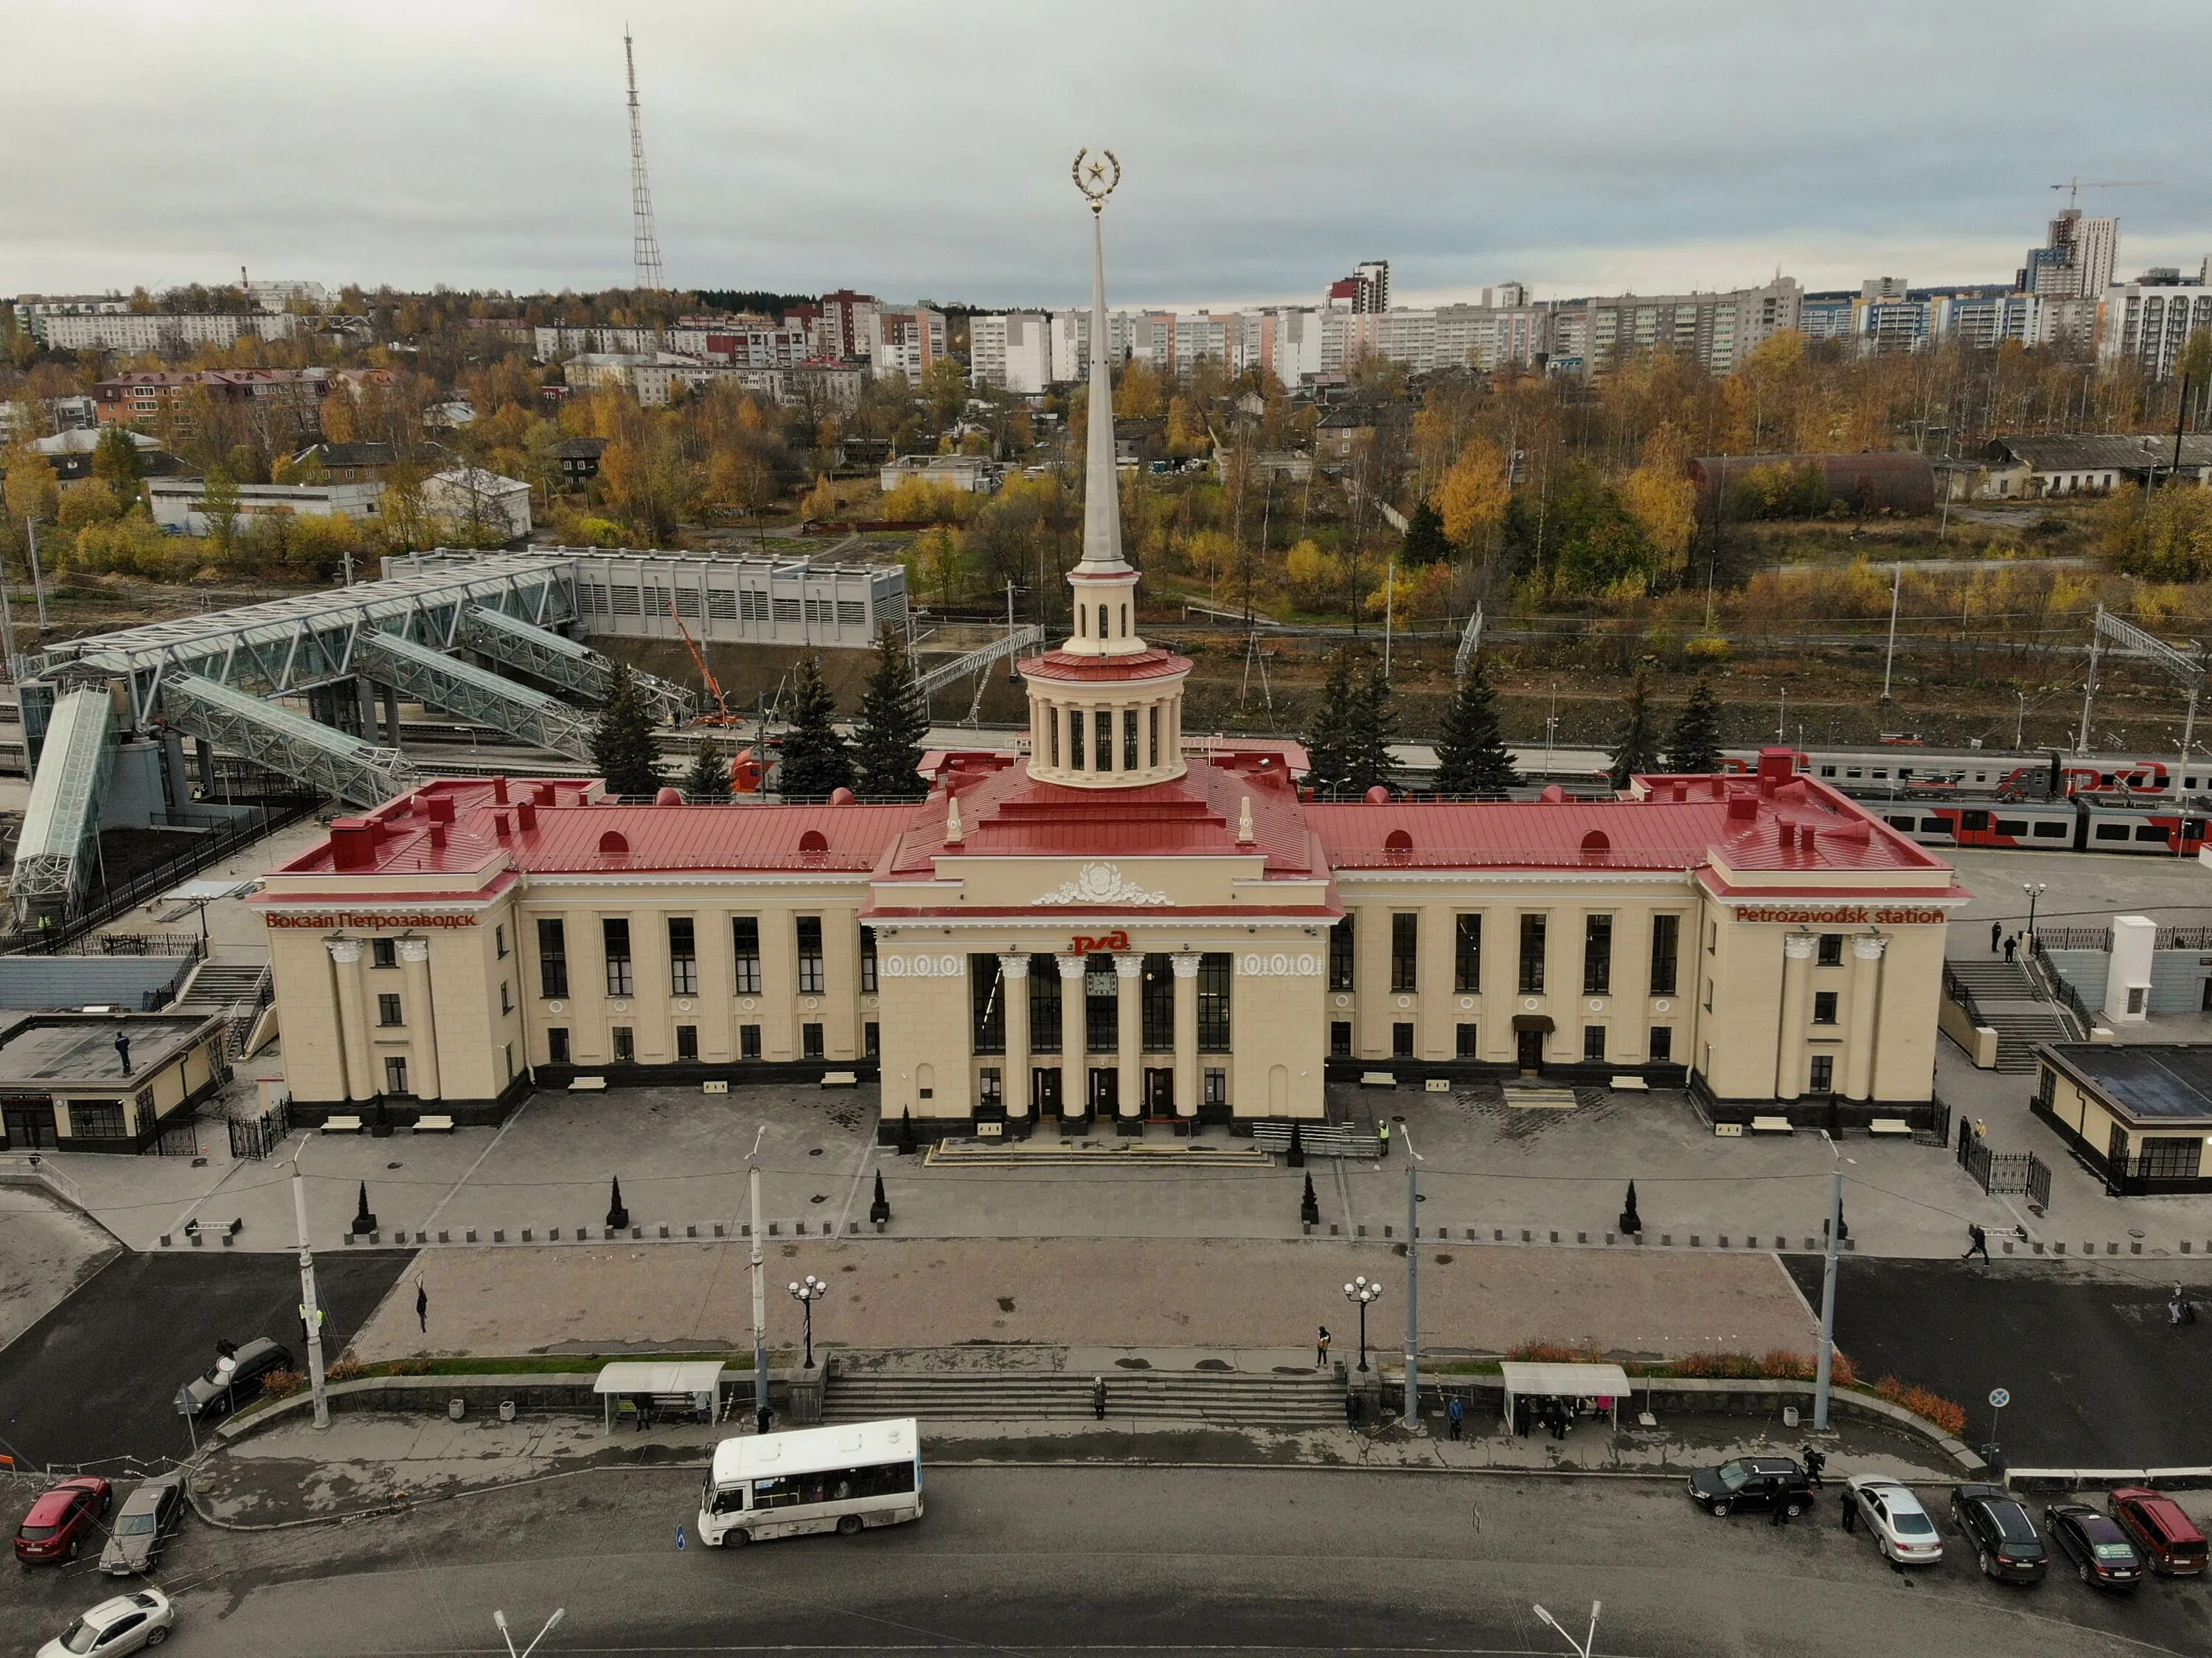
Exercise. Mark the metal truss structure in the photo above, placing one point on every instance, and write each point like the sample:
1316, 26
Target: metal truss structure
1470, 641
437, 680
1015, 642
63, 811
322, 756
567, 666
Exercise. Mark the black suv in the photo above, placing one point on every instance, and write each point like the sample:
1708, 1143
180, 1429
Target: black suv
1753, 1482
2004, 1540
218, 1391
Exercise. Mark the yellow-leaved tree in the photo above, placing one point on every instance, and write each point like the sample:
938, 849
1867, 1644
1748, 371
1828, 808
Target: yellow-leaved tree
1661, 495
1473, 492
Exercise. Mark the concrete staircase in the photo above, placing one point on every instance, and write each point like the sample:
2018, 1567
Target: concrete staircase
2009, 1005
217, 986
1228, 1398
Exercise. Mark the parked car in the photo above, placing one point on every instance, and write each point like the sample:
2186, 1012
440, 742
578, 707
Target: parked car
129, 1623
2005, 1544
1901, 1527
62, 1521
1752, 1482
2166, 1537
149, 1515
2099, 1549
215, 1394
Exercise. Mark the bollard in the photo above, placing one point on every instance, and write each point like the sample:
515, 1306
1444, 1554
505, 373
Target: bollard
664, 1231
227, 1236
1608, 1239
553, 1235
2007, 1245
690, 1231
165, 1242
349, 1241
1810, 1246
1696, 1242
1555, 1237
1581, 1237
444, 1236
717, 1230
2184, 1245
852, 1228
2058, 1249
772, 1226
1389, 1232
1332, 1228
468, 1236
1498, 1234
2134, 1248
525, 1234
1723, 1241
196, 1239
1666, 1237
1524, 1234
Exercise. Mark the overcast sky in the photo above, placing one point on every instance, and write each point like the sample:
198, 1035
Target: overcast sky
921, 150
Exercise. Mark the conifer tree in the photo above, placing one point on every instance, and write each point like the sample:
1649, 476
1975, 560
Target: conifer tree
1425, 541
1327, 739
708, 781
1637, 749
623, 746
1374, 727
888, 737
1694, 744
816, 760
1472, 760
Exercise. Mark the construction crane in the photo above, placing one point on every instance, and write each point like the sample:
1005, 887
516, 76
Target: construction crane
2074, 187
719, 714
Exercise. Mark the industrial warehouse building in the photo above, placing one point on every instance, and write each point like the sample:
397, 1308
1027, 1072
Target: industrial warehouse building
1115, 925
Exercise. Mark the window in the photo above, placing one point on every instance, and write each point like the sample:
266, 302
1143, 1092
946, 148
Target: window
557, 1045
1709, 996
810, 1041
1075, 739
615, 940
506, 1002
1597, 954
749, 1042
1052, 732
552, 959
383, 953
745, 938
625, 1045
395, 1074
1104, 747
1666, 939
1216, 1085
1102, 1015
987, 1011
499, 942
2112, 831
683, 957
1712, 938
1467, 953
1824, 1007
1831, 949
871, 1040
1152, 720
2163, 1157
1467, 1043
789, 1490
91, 1122
1105, 627
1593, 1044
1401, 1040
868, 961
1340, 1038
506, 1055
1341, 942
1662, 1043
1824, 1073
387, 1008
1213, 1003
687, 1043
1405, 952
1155, 1005
1128, 740
1044, 1004
810, 956
992, 1086
1532, 954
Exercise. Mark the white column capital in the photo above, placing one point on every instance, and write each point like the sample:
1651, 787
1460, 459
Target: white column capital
344, 951
1129, 964
1185, 963
1014, 966
1071, 967
414, 951
1798, 947
1869, 946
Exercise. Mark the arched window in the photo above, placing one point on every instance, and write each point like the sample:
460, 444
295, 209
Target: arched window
614, 844
1082, 621
813, 842
1125, 621
1103, 629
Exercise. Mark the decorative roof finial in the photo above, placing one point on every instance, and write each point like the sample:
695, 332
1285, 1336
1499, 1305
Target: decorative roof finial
952, 831
1102, 477
1244, 835
1098, 181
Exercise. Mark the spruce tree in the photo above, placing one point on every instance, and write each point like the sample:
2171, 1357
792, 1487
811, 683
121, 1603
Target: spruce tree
1637, 749
887, 739
1425, 541
1374, 727
708, 781
1472, 760
623, 746
816, 760
1328, 738
1694, 744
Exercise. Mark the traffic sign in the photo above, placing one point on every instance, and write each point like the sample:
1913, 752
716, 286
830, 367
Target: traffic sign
1999, 1398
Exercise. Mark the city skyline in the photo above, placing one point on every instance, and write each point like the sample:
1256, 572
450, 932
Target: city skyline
1645, 162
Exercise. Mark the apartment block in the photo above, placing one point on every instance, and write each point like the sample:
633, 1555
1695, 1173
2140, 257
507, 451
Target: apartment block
1012, 351
905, 339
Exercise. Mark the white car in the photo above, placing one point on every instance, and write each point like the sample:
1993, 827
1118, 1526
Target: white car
127, 1623
1901, 1527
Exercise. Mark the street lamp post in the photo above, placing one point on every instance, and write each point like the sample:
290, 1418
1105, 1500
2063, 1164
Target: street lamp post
499, 1619
1364, 1295
806, 1293
311, 1314
1412, 1280
1583, 1647
759, 1262
1826, 1365
2034, 889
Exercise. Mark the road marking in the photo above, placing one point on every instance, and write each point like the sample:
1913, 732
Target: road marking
1811, 1316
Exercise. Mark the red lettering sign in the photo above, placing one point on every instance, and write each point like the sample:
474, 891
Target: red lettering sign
331, 920
1084, 943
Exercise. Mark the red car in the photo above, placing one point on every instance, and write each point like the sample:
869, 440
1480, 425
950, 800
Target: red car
62, 1520
2169, 1539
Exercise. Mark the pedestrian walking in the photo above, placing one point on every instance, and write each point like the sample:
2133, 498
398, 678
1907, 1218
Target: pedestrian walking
1098, 1397
2011, 944
1850, 1512
1997, 935
1978, 1241
763, 1419
1455, 1412
1816, 1461
1780, 1513
1320, 1349
123, 1050
422, 1306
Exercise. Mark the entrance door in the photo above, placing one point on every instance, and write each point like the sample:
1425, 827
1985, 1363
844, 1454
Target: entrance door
1105, 1090
1159, 1092
1530, 1044
29, 1123
1044, 1091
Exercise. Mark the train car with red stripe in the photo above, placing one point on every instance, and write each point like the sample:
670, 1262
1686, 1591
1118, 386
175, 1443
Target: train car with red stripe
2075, 826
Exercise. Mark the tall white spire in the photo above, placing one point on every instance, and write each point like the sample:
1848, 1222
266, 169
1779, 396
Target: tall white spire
1101, 479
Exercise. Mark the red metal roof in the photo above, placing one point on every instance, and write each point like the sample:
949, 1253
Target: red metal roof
1065, 665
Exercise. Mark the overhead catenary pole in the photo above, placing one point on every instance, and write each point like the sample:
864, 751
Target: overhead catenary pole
1413, 1418
311, 1312
37, 578
1821, 1378
759, 1278
2089, 686
1889, 657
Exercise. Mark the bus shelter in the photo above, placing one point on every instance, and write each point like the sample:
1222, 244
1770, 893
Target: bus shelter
1605, 1383
691, 1385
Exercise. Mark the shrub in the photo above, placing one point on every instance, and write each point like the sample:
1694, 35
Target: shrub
344, 1370
1785, 1366
1925, 1402
282, 1384
1554, 1352
1706, 648
412, 1368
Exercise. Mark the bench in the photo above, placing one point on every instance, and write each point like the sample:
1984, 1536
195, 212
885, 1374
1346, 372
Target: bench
840, 1079
587, 1085
1629, 1085
343, 1125
1377, 1079
1772, 1125
1894, 1125
433, 1124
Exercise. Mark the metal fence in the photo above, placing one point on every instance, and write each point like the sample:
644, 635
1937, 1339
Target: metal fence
2100, 938
256, 1138
2000, 1173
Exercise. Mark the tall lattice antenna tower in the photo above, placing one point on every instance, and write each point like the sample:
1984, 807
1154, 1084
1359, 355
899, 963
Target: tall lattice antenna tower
645, 245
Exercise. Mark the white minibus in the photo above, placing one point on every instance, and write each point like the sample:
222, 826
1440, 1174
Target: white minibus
812, 1479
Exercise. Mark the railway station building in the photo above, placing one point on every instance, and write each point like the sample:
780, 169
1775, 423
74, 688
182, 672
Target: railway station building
1118, 927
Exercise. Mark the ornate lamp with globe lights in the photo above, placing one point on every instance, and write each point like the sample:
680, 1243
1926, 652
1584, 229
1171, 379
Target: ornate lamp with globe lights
1363, 1295
806, 1292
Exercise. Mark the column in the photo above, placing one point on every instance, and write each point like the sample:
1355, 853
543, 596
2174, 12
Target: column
1128, 1006
1866, 990
1014, 986
1789, 1040
422, 1017
353, 1018
1074, 1073
391, 697
1186, 1032
365, 701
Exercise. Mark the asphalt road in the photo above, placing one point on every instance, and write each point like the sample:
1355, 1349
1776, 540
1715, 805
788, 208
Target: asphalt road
95, 1378
1110, 1560
2099, 1377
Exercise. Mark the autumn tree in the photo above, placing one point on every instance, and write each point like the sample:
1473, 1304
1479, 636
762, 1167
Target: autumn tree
1472, 497
1137, 393
1660, 496
1471, 758
31, 490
